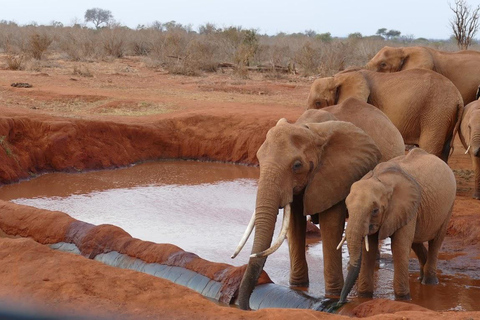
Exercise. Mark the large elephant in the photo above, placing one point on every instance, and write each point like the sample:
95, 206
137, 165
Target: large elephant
409, 199
424, 106
470, 137
457, 66
307, 169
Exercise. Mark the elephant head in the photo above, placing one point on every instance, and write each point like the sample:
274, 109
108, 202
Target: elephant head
318, 162
390, 59
378, 205
329, 91
470, 137
470, 128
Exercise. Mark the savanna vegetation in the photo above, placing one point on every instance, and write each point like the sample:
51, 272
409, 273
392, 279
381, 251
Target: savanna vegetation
180, 49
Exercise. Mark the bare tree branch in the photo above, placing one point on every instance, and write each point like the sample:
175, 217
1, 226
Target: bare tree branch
465, 23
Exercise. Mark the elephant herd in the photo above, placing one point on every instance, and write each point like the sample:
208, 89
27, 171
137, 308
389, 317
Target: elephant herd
344, 159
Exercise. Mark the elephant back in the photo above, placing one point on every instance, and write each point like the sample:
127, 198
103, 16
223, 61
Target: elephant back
374, 122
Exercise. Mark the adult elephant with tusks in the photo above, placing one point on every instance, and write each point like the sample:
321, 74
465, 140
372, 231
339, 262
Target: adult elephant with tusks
308, 168
409, 199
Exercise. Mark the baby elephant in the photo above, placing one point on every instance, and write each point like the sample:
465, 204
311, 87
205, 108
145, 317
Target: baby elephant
408, 199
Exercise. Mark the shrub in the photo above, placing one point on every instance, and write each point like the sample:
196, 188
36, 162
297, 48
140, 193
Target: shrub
39, 43
15, 62
113, 41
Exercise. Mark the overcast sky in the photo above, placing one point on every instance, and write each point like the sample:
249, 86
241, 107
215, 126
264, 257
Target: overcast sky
418, 18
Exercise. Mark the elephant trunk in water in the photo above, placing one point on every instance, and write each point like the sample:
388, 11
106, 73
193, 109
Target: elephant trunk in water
355, 239
268, 202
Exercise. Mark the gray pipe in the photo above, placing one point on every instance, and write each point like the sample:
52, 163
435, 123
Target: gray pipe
268, 295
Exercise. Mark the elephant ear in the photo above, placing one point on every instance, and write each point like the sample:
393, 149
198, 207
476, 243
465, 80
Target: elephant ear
404, 202
346, 153
351, 84
416, 57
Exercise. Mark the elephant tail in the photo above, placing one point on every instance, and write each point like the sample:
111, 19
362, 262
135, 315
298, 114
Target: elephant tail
460, 109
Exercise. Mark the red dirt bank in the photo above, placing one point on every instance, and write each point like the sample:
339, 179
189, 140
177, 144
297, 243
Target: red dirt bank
212, 119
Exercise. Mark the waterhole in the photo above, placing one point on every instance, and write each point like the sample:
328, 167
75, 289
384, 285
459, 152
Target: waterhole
204, 207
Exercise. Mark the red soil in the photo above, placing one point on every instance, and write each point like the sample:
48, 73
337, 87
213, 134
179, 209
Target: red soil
127, 113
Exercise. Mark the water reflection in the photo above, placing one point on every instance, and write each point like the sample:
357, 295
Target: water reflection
204, 208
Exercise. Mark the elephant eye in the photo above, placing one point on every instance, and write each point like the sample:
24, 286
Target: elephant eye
383, 65
318, 104
297, 165
375, 212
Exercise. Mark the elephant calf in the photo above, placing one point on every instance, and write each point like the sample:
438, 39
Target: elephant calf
470, 136
408, 199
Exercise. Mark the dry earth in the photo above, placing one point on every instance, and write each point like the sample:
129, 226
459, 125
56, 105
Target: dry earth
121, 112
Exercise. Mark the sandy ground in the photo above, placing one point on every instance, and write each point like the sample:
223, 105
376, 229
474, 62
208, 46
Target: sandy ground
122, 112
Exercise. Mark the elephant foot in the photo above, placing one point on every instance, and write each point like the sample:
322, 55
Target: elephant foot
432, 280
476, 196
301, 281
300, 284
333, 294
403, 297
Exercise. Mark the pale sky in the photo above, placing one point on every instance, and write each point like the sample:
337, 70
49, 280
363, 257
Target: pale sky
417, 18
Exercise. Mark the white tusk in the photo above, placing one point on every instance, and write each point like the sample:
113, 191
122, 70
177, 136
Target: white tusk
467, 149
281, 237
341, 242
245, 237
366, 243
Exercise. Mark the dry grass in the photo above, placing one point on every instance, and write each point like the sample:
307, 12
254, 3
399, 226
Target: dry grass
82, 70
131, 108
15, 62
179, 50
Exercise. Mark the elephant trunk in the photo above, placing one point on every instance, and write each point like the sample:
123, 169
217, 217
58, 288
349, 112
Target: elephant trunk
355, 237
473, 148
474, 143
352, 276
267, 205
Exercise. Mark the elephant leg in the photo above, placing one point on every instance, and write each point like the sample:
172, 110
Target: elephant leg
434, 245
365, 283
332, 223
435, 143
421, 253
296, 244
402, 241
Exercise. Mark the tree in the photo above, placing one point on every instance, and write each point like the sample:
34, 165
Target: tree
208, 28
381, 32
325, 37
98, 16
355, 35
465, 23
310, 33
393, 34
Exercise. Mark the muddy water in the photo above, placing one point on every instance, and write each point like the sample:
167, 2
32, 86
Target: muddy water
204, 208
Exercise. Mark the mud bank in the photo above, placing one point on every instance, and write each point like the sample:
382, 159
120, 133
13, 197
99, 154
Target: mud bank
57, 228
32, 145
